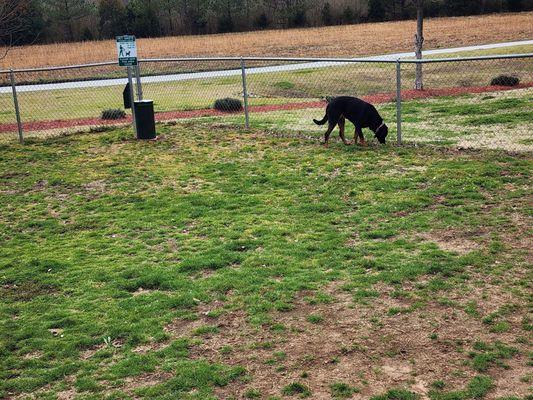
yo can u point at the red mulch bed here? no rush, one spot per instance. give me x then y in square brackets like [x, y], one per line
[172, 115]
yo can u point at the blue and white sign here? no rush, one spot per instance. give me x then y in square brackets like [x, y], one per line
[127, 51]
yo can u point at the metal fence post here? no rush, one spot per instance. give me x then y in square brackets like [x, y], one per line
[139, 83]
[16, 103]
[132, 99]
[399, 101]
[245, 94]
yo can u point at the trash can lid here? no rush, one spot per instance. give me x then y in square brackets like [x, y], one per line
[144, 101]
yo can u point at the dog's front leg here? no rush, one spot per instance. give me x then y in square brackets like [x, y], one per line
[359, 135]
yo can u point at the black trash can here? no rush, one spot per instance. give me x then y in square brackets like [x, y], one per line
[145, 119]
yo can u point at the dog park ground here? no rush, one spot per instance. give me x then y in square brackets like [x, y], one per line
[222, 263]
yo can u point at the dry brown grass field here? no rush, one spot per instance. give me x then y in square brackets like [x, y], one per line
[352, 40]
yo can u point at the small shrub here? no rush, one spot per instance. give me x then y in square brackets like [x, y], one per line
[113, 113]
[505, 80]
[228, 105]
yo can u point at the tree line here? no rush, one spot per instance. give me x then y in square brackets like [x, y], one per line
[46, 21]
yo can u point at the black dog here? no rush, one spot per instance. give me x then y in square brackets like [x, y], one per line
[358, 112]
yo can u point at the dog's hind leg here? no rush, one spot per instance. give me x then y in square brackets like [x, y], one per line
[328, 133]
[333, 120]
[342, 126]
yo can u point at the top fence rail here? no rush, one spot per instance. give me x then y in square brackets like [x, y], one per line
[381, 59]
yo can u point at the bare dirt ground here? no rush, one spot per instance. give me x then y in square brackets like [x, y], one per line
[364, 346]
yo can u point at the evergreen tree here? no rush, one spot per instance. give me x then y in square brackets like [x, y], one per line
[376, 10]
[348, 16]
[514, 5]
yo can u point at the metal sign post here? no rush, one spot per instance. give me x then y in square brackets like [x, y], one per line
[139, 84]
[132, 99]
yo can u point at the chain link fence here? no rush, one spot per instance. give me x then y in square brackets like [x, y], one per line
[461, 103]
[481, 103]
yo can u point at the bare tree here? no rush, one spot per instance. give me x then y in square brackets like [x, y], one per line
[11, 22]
[419, 42]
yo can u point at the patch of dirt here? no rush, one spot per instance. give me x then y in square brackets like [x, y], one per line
[96, 186]
[520, 237]
[67, 394]
[363, 346]
[141, 291]
[145, 380]
[181, 328]
[453, 241]
[86, 354]
[33, 355]
[26, 291]
[508, 381]
[148, 347]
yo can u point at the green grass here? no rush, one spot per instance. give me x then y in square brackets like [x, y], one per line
[340, 390]
[296, 389]
[481, 120]
[106, 241]
[397, 394]
[485, 355]
[477, 388]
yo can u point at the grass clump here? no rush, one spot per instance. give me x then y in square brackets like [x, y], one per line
[296, 389]
[252, 394]
[315, 318]
[486, 355]
[397, 394]
[340, 390]
[477, 388]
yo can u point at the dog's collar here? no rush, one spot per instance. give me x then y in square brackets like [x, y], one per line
[379, 127]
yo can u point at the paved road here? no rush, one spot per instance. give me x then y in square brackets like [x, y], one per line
[237, 72]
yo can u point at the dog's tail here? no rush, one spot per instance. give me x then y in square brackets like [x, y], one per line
[323, 121]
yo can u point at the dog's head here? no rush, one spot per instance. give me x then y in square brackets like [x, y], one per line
[381, 133]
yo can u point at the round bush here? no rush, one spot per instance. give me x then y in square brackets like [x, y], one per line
[228, 105]
[113, 113]
[505, 80]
